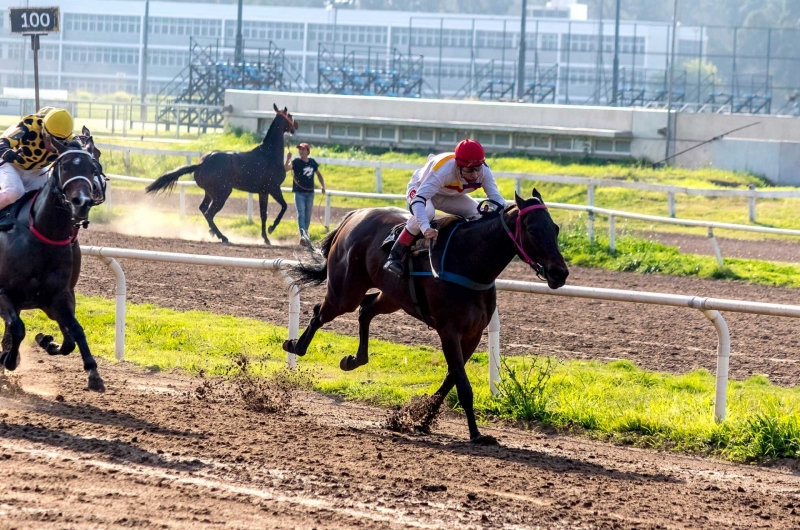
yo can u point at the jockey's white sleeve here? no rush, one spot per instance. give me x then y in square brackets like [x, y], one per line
[490, 187]
[418, 210]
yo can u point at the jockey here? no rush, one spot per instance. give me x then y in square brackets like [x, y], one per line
[442, 184]
[26, 149]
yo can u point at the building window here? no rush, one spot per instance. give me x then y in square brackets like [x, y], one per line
[563, 144]
[604, 146]
[541, 142]
[99, 54]
[196, 27]
[345, 131]
[622, 146]
[102, 23]
[549, 41]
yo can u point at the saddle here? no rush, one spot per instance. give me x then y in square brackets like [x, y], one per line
[9, 214]
[419, 245]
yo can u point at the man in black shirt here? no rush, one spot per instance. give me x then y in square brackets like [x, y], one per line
[303, 171]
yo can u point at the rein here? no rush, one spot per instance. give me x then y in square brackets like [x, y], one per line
[517, 232]
[41, 237]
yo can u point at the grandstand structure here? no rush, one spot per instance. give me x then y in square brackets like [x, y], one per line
[100, 49]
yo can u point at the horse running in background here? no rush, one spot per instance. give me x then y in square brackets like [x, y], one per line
[459, 309]
[40, 259]
[258, 171]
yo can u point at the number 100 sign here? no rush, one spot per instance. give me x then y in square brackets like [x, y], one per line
[33, 20]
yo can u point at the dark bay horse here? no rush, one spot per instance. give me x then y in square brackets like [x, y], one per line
[258, 171]
[479, 251]
[40, 258]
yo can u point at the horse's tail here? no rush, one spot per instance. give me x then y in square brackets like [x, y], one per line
[311, 274]
[167, 181]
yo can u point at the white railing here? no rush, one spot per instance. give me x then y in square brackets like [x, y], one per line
[591, 183]
[612, 215]
[710, 307]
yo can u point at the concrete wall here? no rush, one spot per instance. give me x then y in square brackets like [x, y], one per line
[778, 161]
[771, 146]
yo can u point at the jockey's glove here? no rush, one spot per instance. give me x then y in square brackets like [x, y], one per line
[9, 155]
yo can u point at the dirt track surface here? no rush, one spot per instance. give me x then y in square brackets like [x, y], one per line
[676, 340]
[144, 456]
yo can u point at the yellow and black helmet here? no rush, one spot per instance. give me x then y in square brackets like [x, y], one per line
[58, 123]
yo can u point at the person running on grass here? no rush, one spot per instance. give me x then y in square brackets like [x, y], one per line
[303, 170]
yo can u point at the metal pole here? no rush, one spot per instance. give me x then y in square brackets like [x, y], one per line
[441, 44]
[671, 203]
[615, 81]
[327, 212]
[612, 234]
[250, 208]
[119, 317]
[715, 247]
[521, 59]
[752, 201]
[143, 95]
[769, 45]
[294, 323]
[723, 362]
[35, 48]
[590, 197]
[237, 54]
[670, 66]
[599, 58]
[494, 352]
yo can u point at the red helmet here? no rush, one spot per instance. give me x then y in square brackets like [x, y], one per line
[469, 153]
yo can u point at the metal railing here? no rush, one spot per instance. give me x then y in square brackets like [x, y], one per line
[710, 307]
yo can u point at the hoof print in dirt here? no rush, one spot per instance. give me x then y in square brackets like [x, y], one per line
[485, 440]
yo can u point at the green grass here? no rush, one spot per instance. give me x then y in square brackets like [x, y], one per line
[616, 401]
[651, 257]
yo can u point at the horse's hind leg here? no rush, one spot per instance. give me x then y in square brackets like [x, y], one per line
[278, 196]
[373, 305]
[323, 313]
[263, 201]
[62, 310]
[204, 204]
[13, 335]
[216, 205]
[46, 342]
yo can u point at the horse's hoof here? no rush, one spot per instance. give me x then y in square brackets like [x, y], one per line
[289, 346]
[270, 230]
[225, 241]
[267, 242]
[484, 439]
[43, 340]
[9, 363]
[349, 363]
[96, 383]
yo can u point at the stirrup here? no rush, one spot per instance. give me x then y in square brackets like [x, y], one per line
[394, 266]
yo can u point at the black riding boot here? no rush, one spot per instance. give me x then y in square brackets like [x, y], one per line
[396, 257]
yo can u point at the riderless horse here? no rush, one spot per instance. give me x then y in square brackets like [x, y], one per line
[451, 289]
[258, 171]
[40, 258]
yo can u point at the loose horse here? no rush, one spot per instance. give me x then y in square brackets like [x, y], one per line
[476, 255]
[258, 171]
[40, 258]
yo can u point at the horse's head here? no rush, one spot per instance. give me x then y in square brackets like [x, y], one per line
[285, 120]
[537, 237]
[77, 177]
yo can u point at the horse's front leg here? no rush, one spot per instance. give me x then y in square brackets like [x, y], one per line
[13, 335]
[323, 313]
[62, 310]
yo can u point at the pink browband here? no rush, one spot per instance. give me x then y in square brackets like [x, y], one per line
[513, 236]
[41, 237]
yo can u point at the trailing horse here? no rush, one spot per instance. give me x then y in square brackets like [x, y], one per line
[258, 171]
[457, 303]
[40, 257]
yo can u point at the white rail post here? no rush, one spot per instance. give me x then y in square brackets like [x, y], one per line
[612, 234]
[108, 196]
[378, 180]
[250, 208]
[715, 246]
[124, 121]
[121, 293]
[518, 186]
[671, 201]
[753, 197]
[590, 196]
[127, 157]
[294, 323]
[183, 201]
[327, 212]
[494, 352]
[188, 160]
[723, 362]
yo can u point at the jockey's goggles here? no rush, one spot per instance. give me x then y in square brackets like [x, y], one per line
[471, 169]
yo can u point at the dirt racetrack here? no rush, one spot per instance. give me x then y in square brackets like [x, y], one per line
[144, 456]
[670, 339]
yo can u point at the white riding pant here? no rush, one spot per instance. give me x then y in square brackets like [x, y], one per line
[462, 205]
[15, 182]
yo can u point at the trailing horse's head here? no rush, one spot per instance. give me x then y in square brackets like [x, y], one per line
[77, 177]
[538, 240]
[287, 123]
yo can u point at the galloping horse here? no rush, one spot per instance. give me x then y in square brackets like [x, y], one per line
[459, 309]
[40, 259]
[258, 171]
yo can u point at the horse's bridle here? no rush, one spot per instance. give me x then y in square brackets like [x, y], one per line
[97, 184]
[538, 267]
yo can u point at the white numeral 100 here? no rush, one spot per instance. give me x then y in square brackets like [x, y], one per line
[36, 20]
